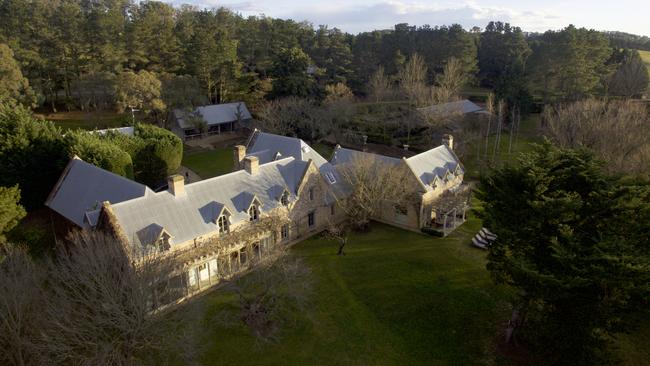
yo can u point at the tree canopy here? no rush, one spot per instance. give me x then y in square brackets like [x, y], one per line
[575, 243]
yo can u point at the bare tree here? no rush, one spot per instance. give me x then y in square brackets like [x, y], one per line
[412, 79]
[370, 182]
[21, 297]
[490, 108]
[98, 303]
[339, 232]
[449, 82]
[379, 85]
[337, 92]
[295, 116]
[277, 288]
[617, 131]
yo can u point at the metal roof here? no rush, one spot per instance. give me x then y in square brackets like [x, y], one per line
[433, 163]
[214, 114]
[267, 146]
[82, 188]
[461, 106]
[195, 212]
[129, 131]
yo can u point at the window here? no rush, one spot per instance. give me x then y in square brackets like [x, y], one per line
[401, 210]
[311, 194]
[254, 213]
[285, 198]
[284, 232]
[163, 243]
[330, 177]
[202, 267]
[311, 219]
[332, 209]
[242, 255]
[224, 225]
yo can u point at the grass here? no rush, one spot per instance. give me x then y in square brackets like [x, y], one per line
[208, 163]
[645, 56]
[87, 120]
[397, 297]
[528, 134]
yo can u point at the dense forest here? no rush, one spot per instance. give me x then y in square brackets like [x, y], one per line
[116, 54]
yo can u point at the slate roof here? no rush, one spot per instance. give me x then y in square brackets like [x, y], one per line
[268, 147]
[425, 166]
[462, 106]
[434, 163]
[194, 213]
[343, 156]
[214, 114]
[82, 188]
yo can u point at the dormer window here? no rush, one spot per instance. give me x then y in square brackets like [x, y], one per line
[223, 223]
[254, 212]
[284, 199]
[163, 243]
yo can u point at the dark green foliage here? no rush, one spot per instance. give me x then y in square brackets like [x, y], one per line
[32, 154]
[160, 154]
[11, 212]
[155, 152]
[576, 245]
[568, 64]
[291, 76]
[100, 152]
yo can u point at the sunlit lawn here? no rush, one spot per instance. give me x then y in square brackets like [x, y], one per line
[208, 163]
[397, 297]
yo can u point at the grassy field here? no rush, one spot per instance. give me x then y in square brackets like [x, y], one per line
[645, 56]
[208, 163]
[87, 120]
[396, 298]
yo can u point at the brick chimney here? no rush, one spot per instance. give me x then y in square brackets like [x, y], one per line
[251, 164]
[239, 152]
[448, 140]
[176, 185]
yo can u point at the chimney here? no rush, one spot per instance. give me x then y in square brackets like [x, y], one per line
[238, 155]
[176, 185]
[448, 140]
[251, 164]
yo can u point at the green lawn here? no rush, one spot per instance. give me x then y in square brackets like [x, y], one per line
[208, 163]
[396, 298]
[528, 134]
[87, 120]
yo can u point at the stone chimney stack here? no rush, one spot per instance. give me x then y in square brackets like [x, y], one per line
[238, 155]
[252, 164]
[176, 185]
[448, 140]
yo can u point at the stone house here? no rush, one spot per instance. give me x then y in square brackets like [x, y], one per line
[281, 191]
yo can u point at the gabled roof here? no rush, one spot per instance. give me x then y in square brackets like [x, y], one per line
[193, 214]
[431, 163]
[83, 187]
[461, 106]
[214, 114]
[343, 156]
[267, 146]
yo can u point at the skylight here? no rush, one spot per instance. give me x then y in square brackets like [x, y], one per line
[330, 177]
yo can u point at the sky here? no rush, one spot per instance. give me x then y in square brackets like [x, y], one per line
[632, 16]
